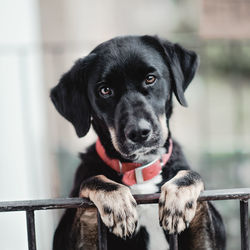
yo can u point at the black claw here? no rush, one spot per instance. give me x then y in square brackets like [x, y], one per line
[176, 225]
[161, 203]
[123, 231]
[166, 223]
[186, 223]
[132, 235]
[160, 222]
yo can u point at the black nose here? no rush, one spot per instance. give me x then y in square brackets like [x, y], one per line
[138, 132]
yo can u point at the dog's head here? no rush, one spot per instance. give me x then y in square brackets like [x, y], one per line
[126, 86]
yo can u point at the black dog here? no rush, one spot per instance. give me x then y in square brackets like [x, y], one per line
[124, 88]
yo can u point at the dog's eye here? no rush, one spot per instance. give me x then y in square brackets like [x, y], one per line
[150, 79]
[105, 91]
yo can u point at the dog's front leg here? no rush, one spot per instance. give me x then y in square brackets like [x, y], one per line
[178, 201]
[114, 202]
[84, 233]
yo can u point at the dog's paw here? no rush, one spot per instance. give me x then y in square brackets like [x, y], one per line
[117, 209]
[178, 201]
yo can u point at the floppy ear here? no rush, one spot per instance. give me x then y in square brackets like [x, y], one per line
[70, 96]
[183, 64]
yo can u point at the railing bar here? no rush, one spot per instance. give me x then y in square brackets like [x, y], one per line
[220, 194]
[173, 242]
[30, 219]
[243, 194]
[102, 233]
[244, 225]
[226, 194]
[8, 206]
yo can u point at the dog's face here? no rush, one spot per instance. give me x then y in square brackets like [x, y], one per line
[128, 92]
[126, 85]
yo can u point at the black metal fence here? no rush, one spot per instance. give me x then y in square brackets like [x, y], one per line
[242, 194]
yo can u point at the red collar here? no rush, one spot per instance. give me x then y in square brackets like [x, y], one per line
[135, 173]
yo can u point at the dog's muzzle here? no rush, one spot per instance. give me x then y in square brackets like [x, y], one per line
[137, 129]
[138, 132]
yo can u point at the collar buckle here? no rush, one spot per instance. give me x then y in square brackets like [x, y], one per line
[138, 176]
[138, 172]
[120, 166]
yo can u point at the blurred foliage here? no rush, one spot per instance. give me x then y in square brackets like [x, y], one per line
[226, 58]
[220, 57]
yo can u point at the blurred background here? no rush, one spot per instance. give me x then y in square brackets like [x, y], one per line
[40, 40]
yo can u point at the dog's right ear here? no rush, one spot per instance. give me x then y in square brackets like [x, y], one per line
[182, 63]
[70, 96]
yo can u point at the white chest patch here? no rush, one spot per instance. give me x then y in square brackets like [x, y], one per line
[148, 215]
[147, 187]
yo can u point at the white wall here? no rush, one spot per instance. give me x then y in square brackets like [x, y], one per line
[23, 143]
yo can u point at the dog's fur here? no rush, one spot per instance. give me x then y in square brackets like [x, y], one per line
[124, 88]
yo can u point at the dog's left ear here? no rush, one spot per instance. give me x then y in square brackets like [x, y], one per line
[183, 64]
[70, 96]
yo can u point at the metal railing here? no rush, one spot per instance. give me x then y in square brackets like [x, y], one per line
[242, 194]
